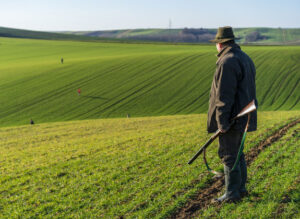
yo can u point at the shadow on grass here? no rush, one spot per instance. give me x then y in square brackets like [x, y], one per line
[95, 97]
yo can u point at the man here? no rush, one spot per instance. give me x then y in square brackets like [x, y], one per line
[233, 87]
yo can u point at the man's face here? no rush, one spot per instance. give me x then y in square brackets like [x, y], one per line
[219, 46]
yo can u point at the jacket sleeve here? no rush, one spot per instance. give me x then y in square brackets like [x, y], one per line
[226, 85]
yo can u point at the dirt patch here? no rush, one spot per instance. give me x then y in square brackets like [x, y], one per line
[203, 199]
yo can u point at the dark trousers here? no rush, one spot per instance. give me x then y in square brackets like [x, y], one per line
[229, 144]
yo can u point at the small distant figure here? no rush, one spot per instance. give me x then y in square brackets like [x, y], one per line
[78, 91]
[31, 122]
[128, 115]
[62, 60]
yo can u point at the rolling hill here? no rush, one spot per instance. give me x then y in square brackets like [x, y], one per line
[136, 168]
[30, 34]
[259, 36]
[275, 36]
[119, 79]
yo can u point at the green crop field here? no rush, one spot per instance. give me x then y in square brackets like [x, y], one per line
[116, 167]
[106, 166]
[117, 79]
[273, 181]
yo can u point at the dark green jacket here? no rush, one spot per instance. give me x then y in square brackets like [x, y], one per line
[233, 87]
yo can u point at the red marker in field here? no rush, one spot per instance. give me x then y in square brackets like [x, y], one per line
[78, 91]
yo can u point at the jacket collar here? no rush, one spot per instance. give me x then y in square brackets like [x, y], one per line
[225, 50]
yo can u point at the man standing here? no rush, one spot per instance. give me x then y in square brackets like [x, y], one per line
[233, 87]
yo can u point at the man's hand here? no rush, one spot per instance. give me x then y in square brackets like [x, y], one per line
[223, 131]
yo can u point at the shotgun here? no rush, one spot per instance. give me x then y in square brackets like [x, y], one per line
[248, 109]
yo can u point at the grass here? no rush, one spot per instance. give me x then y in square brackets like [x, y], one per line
[114, 167]
[273, 184]
[117, 79]
[42, 35]
[19, 33]
[127, 167]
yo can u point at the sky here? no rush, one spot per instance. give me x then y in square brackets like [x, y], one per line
[75, 15]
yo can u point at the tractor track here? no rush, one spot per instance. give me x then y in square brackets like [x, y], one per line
[203, 199]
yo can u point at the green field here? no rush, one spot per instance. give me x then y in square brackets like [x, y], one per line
[273, 181]
[29, 34]
[117, 79]
[275, 36]
[133, 167]
[121, 167]
[269, 36]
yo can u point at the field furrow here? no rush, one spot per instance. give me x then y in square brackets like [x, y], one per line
[118, 79]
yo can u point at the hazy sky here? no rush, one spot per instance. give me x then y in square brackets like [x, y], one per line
[128, 14]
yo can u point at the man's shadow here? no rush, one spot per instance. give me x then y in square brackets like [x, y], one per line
[95, 97]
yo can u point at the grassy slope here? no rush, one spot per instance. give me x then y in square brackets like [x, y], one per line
[275, 35]
[108, 168]
[119, 79]
[19, 33]
[273, 182]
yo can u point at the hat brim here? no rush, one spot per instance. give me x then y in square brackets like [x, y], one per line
[223, 40]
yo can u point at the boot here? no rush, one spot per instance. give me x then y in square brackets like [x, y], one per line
[232, 185]
[243, 166]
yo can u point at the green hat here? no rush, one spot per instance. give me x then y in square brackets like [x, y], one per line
[223, 35]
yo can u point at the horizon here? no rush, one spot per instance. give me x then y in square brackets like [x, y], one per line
[93, 15]
[179, 28]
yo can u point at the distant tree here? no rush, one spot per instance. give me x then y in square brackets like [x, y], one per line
[254, 36]
[194, 31]
[197, 34]
[188, 35]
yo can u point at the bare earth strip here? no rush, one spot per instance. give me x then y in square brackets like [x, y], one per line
[203, 199]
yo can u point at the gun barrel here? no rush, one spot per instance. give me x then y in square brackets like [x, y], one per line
[212, 138]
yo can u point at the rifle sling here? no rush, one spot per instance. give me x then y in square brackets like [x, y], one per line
[238, 156]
